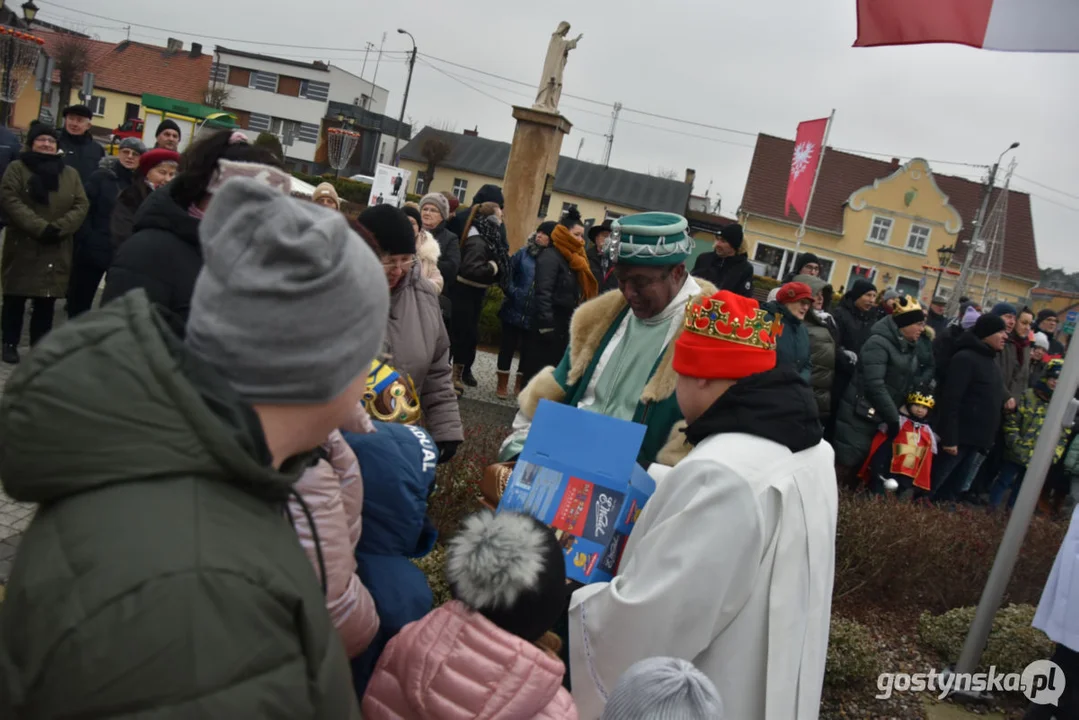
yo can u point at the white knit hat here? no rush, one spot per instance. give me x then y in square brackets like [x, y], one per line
[1040, 340]
[663, 688]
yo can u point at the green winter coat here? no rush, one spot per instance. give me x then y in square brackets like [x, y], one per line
[792, 348]
[822, 350]
[1071, 462]
[29, 267]
[927, 365]
[887, 367]
[160, 577]
[1022, 428]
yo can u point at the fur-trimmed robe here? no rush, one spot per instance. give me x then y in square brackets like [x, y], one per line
[592, 327]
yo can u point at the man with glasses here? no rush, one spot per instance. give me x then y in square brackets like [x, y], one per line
[621, 343]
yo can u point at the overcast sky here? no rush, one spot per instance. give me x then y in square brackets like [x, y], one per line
[752, 67]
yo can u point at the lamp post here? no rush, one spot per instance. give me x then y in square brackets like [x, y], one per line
[944, 255]
[404, 101]
[972, 244]
[29, 12]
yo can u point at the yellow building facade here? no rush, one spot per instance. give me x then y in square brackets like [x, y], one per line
[891, 232]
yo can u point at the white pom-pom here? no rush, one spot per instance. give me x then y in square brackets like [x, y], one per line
[494, 558]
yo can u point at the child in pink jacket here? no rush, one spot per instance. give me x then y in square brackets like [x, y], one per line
[332, 490]
[487, 653]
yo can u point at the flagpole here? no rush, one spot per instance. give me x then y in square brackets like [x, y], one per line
[812, 189]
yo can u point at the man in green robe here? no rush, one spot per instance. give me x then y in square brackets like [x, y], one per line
[618, 362]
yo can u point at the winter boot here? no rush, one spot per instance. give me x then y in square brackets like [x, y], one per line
[468, 378]
[458, 386]
[11, 355]
[519, 384]
[503, 389]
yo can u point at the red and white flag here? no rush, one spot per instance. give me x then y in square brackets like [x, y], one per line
[1024, 25]
[808, 147]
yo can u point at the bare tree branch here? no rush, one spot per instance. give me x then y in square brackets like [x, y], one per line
[72, 57]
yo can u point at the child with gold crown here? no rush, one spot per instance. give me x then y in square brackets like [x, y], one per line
[905, 461]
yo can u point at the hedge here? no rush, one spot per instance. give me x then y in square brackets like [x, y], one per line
[351, 191]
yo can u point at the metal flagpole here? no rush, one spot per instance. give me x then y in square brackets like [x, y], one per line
[813, 187]
[1058, 416]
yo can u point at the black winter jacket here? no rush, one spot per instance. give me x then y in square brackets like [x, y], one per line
[478, 268]
[163, 256]
[122, 223]
[734, 274]
[93, 243]
[449, 261]
[557, 291]
[595, 262]
[487, 193]
[972, 396]
[943, 350]
[853, 325]
[82, 153]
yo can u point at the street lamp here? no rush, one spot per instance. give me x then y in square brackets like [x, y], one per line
[29, 11]
[404, 101]
[944, 255]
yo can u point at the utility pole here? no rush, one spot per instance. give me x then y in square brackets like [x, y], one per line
[610, 135]
[378, 61]
[579, 146]
[952, 308]
[404, 101]
[367, 48]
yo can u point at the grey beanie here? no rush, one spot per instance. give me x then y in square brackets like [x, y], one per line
[439, 201]
[133, 143]
[663, 688]
[291, 305]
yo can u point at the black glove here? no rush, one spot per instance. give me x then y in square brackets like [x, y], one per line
[446, 450]
[50, 235]
[893, 430]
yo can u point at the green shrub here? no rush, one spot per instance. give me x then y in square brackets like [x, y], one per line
[271, 143]
[922, 557]
[1013, 643]
[490, 325]
[350, 190]
[852, 655]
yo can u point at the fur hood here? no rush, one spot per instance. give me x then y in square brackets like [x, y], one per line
[428, 250]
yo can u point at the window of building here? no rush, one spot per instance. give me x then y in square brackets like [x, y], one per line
[421, 185]
[265, 81]
[287, 85]
[97, 105]
[612, 216]
[779, 262]
[860, 272]
[566, 208]
[239, 76]
[880, 231]
[918, 239]
[460, 187]
[243, 117]
[314, 90]
[908, 286]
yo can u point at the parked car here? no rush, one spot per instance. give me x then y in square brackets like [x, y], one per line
[132, 127]
[366, 179]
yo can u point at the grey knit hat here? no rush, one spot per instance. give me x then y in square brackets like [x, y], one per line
[133, 143]
[439, 201]
[663, 688]
[291, 305]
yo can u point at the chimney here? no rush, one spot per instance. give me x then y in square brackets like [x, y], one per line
[473, 133]
[175, 45]
[196, 49]
[895, 162]
[691, 175]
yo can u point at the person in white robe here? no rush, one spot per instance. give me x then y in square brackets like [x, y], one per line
[731, 563]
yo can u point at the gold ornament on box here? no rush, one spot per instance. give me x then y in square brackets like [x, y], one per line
[709, 318]
[390, 396]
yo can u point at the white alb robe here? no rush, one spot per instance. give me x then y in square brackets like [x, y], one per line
[729, 566]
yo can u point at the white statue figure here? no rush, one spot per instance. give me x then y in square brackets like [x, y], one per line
[550, 90]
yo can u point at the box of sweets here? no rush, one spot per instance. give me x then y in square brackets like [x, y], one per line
[578, 473]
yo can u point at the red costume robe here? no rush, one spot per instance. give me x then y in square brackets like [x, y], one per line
[912, 452]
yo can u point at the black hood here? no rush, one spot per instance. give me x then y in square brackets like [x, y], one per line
[777, 405]
[489, 193]
[969, 341]
[161, 212]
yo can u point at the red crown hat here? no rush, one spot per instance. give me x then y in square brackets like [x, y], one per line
[793, 292]
[726, 336]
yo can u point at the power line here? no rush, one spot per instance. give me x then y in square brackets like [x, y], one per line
[1054, 202]
[1047, 187]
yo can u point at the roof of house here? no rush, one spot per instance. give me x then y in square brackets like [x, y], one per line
[135, 68]
[613, 186]
[707, 221]
[315, 65]
[842, 173]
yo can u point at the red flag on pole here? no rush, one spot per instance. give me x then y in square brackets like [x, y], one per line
[808, 145]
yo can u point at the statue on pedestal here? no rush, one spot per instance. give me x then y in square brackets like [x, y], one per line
[550, 89]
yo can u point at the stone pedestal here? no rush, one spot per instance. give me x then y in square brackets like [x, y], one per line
[537, 142]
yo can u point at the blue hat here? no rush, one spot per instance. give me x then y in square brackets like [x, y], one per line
[1003, 308]
[651, 238]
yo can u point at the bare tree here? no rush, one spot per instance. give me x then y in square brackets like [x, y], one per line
[446, 125]
[435, 150]
[71, 54]
[217, 95]
[665, 173]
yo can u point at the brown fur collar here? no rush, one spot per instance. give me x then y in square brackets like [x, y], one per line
[676, 448]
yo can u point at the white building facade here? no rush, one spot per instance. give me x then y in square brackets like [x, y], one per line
[288, 98]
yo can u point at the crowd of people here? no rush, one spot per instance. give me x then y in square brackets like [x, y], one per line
[251, 421]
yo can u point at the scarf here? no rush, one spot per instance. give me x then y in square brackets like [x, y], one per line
[572, 249]
[1021, 344]
[497, 250]
[45, 173]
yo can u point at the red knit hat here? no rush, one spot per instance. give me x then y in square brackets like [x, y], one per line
[726, 336]
[793, 292]
[151, 159]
